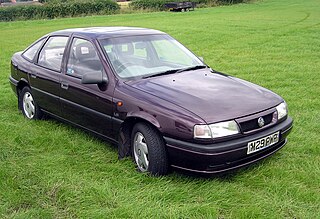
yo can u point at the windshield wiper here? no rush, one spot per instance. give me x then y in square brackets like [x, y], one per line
[191, 68]
[172, 71]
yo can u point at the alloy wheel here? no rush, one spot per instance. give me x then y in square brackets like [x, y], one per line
[140, 148]
[28, 105]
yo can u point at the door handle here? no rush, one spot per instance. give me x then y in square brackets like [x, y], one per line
[33, 75]
[64, 85]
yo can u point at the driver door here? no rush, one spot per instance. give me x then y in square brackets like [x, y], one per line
[87, 105]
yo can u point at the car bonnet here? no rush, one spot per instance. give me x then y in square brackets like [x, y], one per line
[213, 97]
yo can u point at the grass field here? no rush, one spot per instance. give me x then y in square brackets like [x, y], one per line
[52, 170]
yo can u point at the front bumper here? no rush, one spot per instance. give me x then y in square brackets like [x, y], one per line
[223, 156]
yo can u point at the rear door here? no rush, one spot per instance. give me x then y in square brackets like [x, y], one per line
[45, 74]
[87, 105]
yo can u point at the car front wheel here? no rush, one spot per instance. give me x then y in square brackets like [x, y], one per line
[29, 107]
[148, 150]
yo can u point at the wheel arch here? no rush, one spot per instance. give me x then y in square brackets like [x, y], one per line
[20, 85]
[124, 142]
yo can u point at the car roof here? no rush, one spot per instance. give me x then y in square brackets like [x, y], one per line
[107, 32]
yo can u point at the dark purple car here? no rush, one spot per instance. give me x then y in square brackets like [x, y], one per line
[143, 90]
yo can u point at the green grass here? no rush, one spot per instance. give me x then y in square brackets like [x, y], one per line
[52, 170]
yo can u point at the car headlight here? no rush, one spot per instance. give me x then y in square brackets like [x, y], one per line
[202, 131]
[282, 110]
[216, 130]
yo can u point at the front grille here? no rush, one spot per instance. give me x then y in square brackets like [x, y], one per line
[250, 123]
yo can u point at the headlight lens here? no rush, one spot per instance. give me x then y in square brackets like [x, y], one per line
[216, 130]
[202, 131]
[282, 110]
[224, 129]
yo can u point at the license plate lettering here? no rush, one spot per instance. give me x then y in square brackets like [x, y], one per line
[262, 143]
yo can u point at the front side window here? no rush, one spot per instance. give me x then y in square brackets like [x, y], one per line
[51, 54]
[83, 58]
[32, 50]
[143, 56]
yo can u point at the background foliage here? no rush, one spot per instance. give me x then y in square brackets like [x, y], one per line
[159, 4]
[72, 8]
[56, 9]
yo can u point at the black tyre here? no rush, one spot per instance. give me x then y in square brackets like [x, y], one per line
[148, 150]
[29, 107]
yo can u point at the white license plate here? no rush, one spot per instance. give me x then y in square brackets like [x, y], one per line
[263, 143]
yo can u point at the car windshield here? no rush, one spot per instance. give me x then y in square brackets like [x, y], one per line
[148, 56]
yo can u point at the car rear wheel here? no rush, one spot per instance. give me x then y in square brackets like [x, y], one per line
[148, 150]
[29, 107]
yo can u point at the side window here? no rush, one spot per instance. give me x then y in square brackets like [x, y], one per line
[83, 58]
[31, 51]
[52, 53]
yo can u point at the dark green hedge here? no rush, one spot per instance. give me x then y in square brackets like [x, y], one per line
[58, 9]
[149, 4]
[159, 4]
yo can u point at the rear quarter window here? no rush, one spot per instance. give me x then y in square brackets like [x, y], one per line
[32, 50]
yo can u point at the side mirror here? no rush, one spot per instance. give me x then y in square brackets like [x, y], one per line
[201, 58]
[95, 77]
